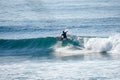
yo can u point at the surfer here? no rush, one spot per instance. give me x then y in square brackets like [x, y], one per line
[64, 35]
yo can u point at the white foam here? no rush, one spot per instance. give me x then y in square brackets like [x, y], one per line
[110, 44]
[61, 51]
[68, 50]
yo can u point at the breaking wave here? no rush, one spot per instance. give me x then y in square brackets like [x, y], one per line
[51, 46]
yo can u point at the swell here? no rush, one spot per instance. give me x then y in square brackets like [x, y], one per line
[27, 43]
[33, 46]
[46, 42]
[21, 47]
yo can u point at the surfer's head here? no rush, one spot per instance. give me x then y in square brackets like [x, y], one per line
[65, 30]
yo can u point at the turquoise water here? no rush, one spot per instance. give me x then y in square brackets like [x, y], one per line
[29, 49]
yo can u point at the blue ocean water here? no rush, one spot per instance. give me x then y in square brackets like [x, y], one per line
[29, 49]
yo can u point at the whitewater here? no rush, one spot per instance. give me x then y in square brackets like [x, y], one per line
[30, 50]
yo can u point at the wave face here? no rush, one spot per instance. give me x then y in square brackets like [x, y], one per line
[27, 43]
[32, 46]
[50, 45]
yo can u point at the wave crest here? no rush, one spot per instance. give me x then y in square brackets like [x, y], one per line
[110, 44]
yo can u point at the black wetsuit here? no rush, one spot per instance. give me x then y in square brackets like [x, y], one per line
[64, 36]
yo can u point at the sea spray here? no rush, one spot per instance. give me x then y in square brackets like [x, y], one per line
[115, 40]
[110, 44]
